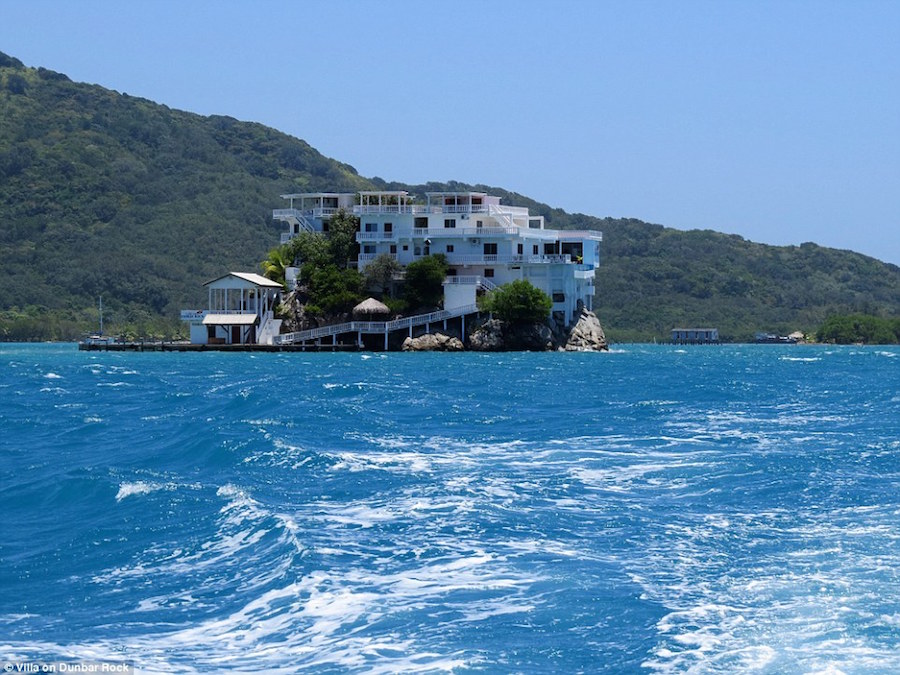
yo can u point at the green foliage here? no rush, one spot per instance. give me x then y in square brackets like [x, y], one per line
[342, 229]
[847, 329]
[275, 264]
[332, 290]
[423, 287]
[104, 193]
[396, 305]
[310, 247]
[519, 302]
[380, 272]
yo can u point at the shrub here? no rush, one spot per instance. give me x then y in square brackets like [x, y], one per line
[519, 302]
[425, 281]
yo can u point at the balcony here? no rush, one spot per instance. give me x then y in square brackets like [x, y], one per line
[457, 232]
[506, 259]
[374, 236]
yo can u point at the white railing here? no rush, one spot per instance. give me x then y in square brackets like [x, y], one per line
[505, 259]
[492, 209]
[371, 209]
[505, 214]
[373, 326]
[295, 215]
[470, 280]
[461, 208]
[465, 231]
[373, 236]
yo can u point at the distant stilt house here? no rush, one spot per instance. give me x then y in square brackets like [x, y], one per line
[240, 311]
[695, 336]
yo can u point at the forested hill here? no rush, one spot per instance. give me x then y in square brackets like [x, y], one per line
[105, 193]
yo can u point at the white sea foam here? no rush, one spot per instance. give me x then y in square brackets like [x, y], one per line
[140, 488]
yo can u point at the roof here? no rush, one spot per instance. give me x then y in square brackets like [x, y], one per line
[371, 306]
[313, 195]
[255, 279]
[229, 319]
[395, 193]
[457, 193]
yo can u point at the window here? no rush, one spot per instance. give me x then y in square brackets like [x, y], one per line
[405, 247]
[449, 248]
[520, 249]
[489, 272]
[535, 249]
[559, 297]
[420, 223]
[394, 249]
[368, 249]
[449, 223]
[371, 227]
[490, 249]
[479, 223]
[388, 227]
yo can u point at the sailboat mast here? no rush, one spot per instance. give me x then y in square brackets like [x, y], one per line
[101, 316]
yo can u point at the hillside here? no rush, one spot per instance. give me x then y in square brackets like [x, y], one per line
[105, 193]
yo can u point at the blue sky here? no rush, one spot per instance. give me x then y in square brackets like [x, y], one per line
[778, 121]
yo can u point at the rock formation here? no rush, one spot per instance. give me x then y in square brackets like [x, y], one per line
[432, 342]
[499, 336]
[587, 334]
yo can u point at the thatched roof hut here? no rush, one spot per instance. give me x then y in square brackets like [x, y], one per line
[371, 306]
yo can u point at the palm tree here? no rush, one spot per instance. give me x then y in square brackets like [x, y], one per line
[279, 259]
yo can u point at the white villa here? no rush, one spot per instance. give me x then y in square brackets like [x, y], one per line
[240, 311]
[485, 243]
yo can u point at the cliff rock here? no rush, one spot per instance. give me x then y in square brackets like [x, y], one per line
[498, 336]
[432, 342]
[587, 334]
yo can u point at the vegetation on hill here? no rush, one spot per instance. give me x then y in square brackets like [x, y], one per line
[848, 329]
[105, 193]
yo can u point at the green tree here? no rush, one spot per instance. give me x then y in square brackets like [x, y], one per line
[331, 289]
[424, 286]
[858, 328]
[380, 272]
[342, 229]
[519, 302]
[310, 248]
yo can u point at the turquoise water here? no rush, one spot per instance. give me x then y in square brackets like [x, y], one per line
[653, 509]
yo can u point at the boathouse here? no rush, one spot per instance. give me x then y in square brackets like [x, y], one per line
[695, 336]
[240, 311]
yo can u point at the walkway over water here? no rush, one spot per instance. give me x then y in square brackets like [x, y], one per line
[377, 327]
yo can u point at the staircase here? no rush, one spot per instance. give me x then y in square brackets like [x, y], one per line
[294, 217]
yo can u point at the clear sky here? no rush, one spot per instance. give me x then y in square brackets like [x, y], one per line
[775, 120]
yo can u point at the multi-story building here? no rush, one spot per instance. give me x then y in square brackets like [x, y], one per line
[486, 244]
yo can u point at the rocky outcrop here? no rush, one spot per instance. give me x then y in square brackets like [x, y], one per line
[587, 334]
[488, 337]
[498, 336]
[432, 342]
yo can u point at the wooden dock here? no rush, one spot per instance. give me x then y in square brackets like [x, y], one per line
[141, 346]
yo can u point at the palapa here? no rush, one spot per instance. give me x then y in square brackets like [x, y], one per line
[371, 306]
